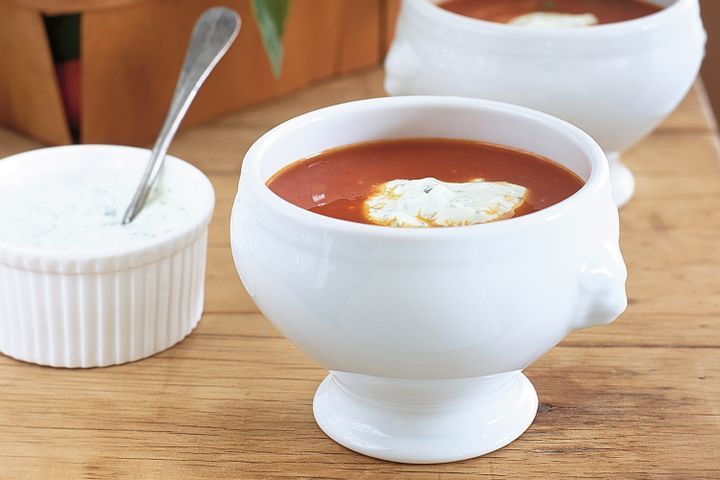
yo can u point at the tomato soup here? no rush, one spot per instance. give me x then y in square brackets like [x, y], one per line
[504, 11]
[340, 182]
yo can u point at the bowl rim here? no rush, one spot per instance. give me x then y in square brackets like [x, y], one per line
[605, 30]
[140, 249]
[251, 175]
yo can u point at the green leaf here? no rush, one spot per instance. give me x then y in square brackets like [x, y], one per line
[270, 16]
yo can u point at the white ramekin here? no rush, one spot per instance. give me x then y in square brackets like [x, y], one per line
[97, 309]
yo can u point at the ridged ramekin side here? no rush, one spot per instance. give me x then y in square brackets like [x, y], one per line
[101, 319]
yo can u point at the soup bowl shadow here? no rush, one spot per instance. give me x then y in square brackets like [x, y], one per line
[616, 81]
[426, 331]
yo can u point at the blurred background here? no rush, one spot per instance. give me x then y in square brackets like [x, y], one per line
[103, 71]
[711, 67]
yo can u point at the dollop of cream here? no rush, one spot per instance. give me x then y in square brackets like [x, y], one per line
[554, 20]
[429, 202]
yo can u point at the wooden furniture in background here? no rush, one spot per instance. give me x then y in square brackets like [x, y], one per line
[29, 95]
[636, 399]
[711, 66]
[132, 50]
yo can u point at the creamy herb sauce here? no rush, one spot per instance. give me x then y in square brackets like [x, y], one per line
[81, 210]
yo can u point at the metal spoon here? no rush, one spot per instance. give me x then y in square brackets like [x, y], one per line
[213, 34]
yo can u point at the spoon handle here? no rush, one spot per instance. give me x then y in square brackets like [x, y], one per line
[213, 34]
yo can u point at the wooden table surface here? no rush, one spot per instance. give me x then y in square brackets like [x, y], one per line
[637, 399]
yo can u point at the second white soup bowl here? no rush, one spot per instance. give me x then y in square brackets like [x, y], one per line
[426, 331]
[616, 81]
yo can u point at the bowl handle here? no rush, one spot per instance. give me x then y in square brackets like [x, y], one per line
[602, 288]
[402, 65]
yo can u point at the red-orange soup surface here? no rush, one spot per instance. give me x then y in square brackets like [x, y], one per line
[502, 11]
[336, 182]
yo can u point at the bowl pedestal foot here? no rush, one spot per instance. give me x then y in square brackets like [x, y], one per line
[424, 421]
[621, 179]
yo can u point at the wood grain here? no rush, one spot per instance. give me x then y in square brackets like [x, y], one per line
[29, 93]
[61, 7]
[234, 401]
[359, 42]
[391, 10]
[711, 66]
[131, 59]
[636, 399]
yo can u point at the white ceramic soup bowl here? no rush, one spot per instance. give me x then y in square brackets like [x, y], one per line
[426, 331]
[103, 306]
[615, 81]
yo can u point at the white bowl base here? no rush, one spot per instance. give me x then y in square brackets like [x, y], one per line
[621, 179]
[424, 421]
